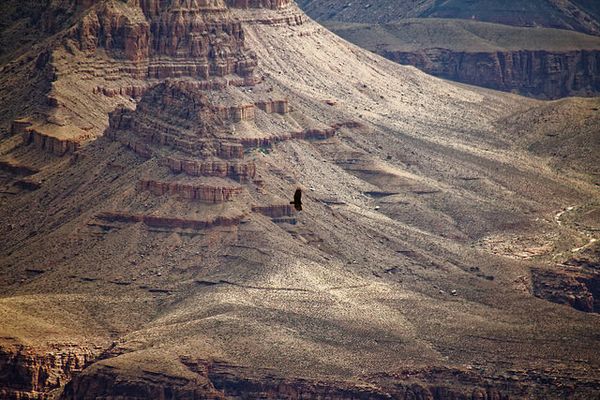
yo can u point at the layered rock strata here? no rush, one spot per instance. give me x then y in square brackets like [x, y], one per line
[52, 144]
[124, 48]
[242, 171]
[158, 221]
[536, 73]
[275, 211]
[217, 380]
[292, 311]
[198, 41]
[28, 374]
[190, 191]
[577, 288]
[179, 122]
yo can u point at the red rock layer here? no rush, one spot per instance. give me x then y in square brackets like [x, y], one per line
[190, 191]
[242, 112]
[274, 106]
[138, 91]
[537, 73]
[179, 116]
[27, 374]
[221, 381]
[275, 211]
[105, 382]
[51, 144]
[131, 91]
[19, 126]
[307, 134]
[169, 38]
[272, 4]
[243, 171]
[156, 221]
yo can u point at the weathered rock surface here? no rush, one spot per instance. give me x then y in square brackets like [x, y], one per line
[275, 211]
[375, 291]
[191, 191]
[217, 380]
[202, 42]
[28, 374]
[158, 221]
[577, 289]
[581, 16]
[238, 170]
[540, 62]
[51, 144]
[538, 73]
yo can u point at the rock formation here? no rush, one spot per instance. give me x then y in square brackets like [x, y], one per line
[580, 16]
[28, 374]
[540, 73]
[155, 221]
[150, 250]
[543, 63]
[191, 191]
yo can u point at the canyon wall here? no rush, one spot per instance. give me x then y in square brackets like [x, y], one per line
[536, 73]
[215, 380]
[190, 191]
[29, 374]
[168, 39]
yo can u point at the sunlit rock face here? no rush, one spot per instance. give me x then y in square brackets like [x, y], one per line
[171, 39]
[149, 155]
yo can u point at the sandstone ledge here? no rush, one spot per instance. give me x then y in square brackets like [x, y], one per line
[155, 221]
[191, 191]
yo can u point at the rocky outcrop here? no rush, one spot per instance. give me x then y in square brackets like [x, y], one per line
[182, 118]
[110, 27]
[307, 134]
[178, 117]
[243, 171]
[52, 144]
[168, 40]
[156, 221]
[576, 288]
[536, 73]
[29, 374]
[271, 4]
[189, 191]
[106, 383]
[19, 126]
[135, 91]
[274, 106]
[214, 380]
[275, 211]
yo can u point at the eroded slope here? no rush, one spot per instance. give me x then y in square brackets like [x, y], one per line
[164, 255]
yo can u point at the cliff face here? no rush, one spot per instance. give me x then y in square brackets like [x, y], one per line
[575, 15]
[123, 48]
[538, 73]
[217, 381]
[28, 374]
[154, 214]
[199, 40]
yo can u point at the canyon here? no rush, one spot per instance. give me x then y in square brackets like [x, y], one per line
[572, 15]
[447, 247]
[532, 73]
[544, 49]
[537, 62]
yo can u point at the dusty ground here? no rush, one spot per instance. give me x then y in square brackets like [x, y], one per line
[413, 252]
